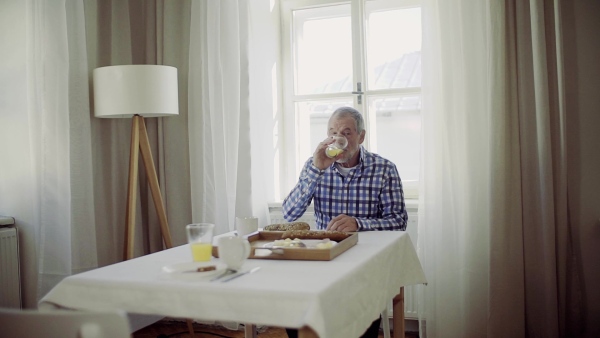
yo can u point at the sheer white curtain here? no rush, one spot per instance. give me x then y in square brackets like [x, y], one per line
[46, 171]
[494, 235]
[219, 119]
[63, 174]
[454, 220]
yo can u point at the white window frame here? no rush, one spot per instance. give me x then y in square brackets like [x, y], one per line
[290, 161]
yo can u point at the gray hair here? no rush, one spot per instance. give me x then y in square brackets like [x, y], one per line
[355, 114]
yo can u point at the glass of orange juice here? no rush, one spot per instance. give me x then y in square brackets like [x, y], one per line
[200, 236]
[337, 147]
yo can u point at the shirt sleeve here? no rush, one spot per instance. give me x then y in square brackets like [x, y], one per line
[296, 203]
[391, 202]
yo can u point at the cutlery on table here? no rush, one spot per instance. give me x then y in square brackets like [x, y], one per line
[253, 270]
[225, 273]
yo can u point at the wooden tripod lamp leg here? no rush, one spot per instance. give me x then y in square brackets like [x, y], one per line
[153, 182]
[132, 189]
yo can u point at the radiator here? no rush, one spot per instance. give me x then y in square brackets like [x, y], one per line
[10, 285]
[410, 292]
[276, 215]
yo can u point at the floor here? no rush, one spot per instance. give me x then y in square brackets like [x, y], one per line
[178, 328]
[171, 328]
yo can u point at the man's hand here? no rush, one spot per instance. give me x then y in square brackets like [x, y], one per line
[320, 158]
[343, 223]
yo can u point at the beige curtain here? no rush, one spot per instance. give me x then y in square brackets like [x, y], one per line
[139, 32]
[495, 237]
[530, 121]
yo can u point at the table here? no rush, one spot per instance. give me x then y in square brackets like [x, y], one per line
[337, 298]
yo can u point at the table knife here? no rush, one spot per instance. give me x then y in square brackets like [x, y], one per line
[240, 274]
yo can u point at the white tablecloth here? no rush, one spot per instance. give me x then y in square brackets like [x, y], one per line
[337, 298]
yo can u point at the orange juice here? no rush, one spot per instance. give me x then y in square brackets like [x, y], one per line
[333, 152]
[201, 252]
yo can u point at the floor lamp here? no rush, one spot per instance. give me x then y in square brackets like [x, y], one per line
[138, 91]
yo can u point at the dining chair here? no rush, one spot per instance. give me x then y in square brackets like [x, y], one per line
[16, 323]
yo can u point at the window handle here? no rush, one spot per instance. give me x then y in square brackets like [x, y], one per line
[359, 92]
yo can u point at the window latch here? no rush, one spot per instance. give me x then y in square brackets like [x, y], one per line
[359, 92]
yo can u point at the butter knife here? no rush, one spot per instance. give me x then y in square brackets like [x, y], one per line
[253, 270]
[225, 273]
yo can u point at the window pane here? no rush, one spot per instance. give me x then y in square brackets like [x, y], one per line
[323, 41]
[398, 125]
[312, 127]
[393, 47]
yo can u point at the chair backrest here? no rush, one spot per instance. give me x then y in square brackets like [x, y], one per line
[63, 324]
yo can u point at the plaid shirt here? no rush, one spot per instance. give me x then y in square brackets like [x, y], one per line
[371, 193]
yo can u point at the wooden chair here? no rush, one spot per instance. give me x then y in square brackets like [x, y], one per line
[16, 323]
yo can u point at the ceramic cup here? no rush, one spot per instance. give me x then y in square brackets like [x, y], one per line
[234, 251]
[200, 236]
[246, 225]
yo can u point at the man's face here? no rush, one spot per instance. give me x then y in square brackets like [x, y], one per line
[346, 126]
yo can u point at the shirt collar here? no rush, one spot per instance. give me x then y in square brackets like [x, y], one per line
[363, 160]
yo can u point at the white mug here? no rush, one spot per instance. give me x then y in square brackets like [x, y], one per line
[234, 251]
[246, 225]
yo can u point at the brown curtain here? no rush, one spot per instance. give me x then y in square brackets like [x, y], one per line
[139, 32]
[495, 237]
[532, 261]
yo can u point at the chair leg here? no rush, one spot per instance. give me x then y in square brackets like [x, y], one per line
[250, 331]
[190, 325]
[385, 319]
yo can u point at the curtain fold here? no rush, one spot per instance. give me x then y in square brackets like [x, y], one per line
[174, 159]
[66, 184]
[494, 69]
[140, 32]
[46, 181]
[506, 236]
[219, 113]
[61, 150]
[454, 201]
[49, 136]
[109, 42]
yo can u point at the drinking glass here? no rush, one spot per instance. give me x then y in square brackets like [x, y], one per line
[246, 225]
[200, 236]
[337, 147]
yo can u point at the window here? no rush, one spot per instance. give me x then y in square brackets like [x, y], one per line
[360, 53]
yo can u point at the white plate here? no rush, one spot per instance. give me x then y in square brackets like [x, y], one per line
[310, 244]
[188, 269]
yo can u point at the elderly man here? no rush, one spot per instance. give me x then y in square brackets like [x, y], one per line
[354, 191]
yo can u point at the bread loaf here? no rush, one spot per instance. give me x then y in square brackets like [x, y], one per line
[287, 226]
[337, 236]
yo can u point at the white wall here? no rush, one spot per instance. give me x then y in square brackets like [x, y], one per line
[581, 21]
[265, 105]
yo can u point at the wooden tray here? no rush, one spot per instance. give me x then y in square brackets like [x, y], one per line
[308, 254]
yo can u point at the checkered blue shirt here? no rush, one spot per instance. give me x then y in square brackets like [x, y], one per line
[371, 193]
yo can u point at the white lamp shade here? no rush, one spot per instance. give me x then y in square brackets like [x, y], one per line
[146, 90]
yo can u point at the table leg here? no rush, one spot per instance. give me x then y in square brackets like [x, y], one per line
[398, 315]
[250, 331]
[307, 332]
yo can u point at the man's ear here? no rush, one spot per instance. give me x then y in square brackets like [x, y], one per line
[361, 138]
